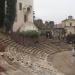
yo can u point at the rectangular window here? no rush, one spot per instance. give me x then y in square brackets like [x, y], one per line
[20, 6]
[70, 24]
[25, 18]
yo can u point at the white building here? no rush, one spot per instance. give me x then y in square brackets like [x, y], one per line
[69, 25]
[24, 16]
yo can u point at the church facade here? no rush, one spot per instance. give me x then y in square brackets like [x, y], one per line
[24, 16]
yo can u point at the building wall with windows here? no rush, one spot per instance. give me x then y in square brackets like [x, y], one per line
[69, 25]
[25, 8]
[24, 15]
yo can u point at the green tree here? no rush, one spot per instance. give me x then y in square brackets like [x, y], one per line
[11, 13]
[2, 12]
[7, 20]
[39, 24]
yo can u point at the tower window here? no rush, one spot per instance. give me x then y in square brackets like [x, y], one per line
[20, 6]
[70, 24]
[25, 18]
[28, 9]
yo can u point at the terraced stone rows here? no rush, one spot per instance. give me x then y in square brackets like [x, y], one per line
[18, 48]
[19, 52]
[43, 47]
[32, 52]
[49, 47]
[63, 46]
[52, 47]
[5, 41]
[60, 45]
[40, 52]
[56, 48]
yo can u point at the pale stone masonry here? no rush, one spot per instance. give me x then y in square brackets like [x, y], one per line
[24, 16]
[69, 25]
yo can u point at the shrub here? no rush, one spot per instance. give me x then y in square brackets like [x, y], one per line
[30, 33]
[70, 38]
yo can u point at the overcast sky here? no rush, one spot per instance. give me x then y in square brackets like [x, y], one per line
[55, 10]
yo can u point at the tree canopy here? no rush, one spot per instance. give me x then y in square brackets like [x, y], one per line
[2, 12]
[10, 13]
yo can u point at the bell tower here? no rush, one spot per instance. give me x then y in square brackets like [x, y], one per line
[24, 16]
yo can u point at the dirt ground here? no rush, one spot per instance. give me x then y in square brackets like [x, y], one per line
[6, 69]
[65, 62]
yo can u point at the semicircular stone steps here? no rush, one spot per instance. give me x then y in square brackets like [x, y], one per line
[44, 47]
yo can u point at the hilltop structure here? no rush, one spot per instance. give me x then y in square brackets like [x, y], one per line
[69, 25]
[24, 16]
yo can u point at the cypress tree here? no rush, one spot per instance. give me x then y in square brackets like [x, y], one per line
[11, 13]
[2, 12]
[7, 19]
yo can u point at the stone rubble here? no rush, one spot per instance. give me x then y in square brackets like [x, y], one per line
[31, 65]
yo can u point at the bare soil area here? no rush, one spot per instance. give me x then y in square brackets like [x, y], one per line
[64, 62]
